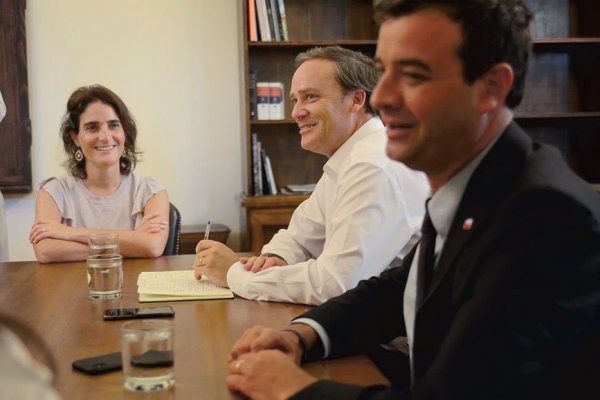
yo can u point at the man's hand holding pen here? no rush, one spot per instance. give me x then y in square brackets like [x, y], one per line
[213, 260]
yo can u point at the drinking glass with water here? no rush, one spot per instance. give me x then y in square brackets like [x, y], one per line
[105, 243]
[147, 351]
[105, 276]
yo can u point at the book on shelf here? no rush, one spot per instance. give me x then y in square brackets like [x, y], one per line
[283, 20]
[305, 188]
[177, 285]
[263, 20]
[252, 28]
[252, 90]
[268, 19]
[262, 101]
[269, 99]
[257, 178]
[269, 177]
[275, 17]
[276, 100]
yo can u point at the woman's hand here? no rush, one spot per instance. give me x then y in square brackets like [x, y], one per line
[44, 228]
[151, 223]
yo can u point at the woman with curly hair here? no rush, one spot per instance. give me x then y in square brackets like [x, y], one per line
[100, 193]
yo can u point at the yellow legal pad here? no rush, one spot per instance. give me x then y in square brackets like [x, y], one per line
[176, 286]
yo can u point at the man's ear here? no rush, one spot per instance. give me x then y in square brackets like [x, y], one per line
[75, 138]
[494, 86]
[359, 97]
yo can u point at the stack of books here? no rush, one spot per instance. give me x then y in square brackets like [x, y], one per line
[266, 99]
[267, 21]
[262, 173]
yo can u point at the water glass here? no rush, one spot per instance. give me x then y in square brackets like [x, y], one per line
[147, 351]
[104, 243]
[105, 276]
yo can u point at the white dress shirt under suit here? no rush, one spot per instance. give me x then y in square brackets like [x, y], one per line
[363, 211]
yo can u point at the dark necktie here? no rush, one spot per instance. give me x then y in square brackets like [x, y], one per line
[426, 259]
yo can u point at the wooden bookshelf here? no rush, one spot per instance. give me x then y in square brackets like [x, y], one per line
[561, 104]
[311, 23]
[562, 94]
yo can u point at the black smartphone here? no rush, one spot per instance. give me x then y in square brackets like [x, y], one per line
[112, 314]
[153, 358]
[99, 364]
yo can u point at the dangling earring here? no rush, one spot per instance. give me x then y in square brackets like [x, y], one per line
[78, 155]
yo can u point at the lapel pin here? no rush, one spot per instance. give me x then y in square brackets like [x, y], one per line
[468, 224]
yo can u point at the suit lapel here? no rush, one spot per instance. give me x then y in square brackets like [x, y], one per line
[490, 182]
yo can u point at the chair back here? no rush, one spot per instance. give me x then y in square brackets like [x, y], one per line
[172, 246]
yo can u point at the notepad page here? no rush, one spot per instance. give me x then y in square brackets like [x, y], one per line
[179, 283]
[152, 298]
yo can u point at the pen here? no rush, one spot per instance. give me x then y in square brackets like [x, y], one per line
[207, 231]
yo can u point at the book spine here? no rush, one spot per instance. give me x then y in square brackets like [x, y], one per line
[276, 100]
[252, 31]
[263, 20]
[256, 166]
[276, 20]
[283, 18]
[266, 186]
[270, 19]
[252, 93]
[270, 178]
[260, 188]
[262, 100]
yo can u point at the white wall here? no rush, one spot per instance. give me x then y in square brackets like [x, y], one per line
[177, 66]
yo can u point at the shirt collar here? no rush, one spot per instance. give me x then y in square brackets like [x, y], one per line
[335, 162]
[445, 201]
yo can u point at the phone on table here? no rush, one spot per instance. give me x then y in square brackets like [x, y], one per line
[153, 358]
[99, 364]
[113, 362]
[112, 314]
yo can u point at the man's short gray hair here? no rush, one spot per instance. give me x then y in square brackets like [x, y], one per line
[354, 70]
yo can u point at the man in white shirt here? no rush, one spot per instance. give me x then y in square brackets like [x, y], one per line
[364, 209]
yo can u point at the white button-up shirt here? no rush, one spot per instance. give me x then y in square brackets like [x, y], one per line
[363, 211]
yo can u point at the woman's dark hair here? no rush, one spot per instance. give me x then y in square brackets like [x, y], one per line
[494, 31]
[76, 105]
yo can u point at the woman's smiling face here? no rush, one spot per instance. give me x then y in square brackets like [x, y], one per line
[101, 136]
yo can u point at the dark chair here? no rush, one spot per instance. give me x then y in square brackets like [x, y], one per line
[172, 246]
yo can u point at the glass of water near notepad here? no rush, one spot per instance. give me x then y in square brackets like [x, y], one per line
[177, 285]
[104, 267]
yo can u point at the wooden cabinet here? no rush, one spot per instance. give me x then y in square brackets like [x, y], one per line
[268, 214]
[561, 104]
[190, 235]
[348, 23]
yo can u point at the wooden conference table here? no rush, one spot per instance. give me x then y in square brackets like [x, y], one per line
[53, 299]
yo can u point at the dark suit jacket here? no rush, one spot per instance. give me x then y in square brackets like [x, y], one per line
[514, 307]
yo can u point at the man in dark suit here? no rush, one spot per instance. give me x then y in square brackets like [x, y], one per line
[501, 298]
